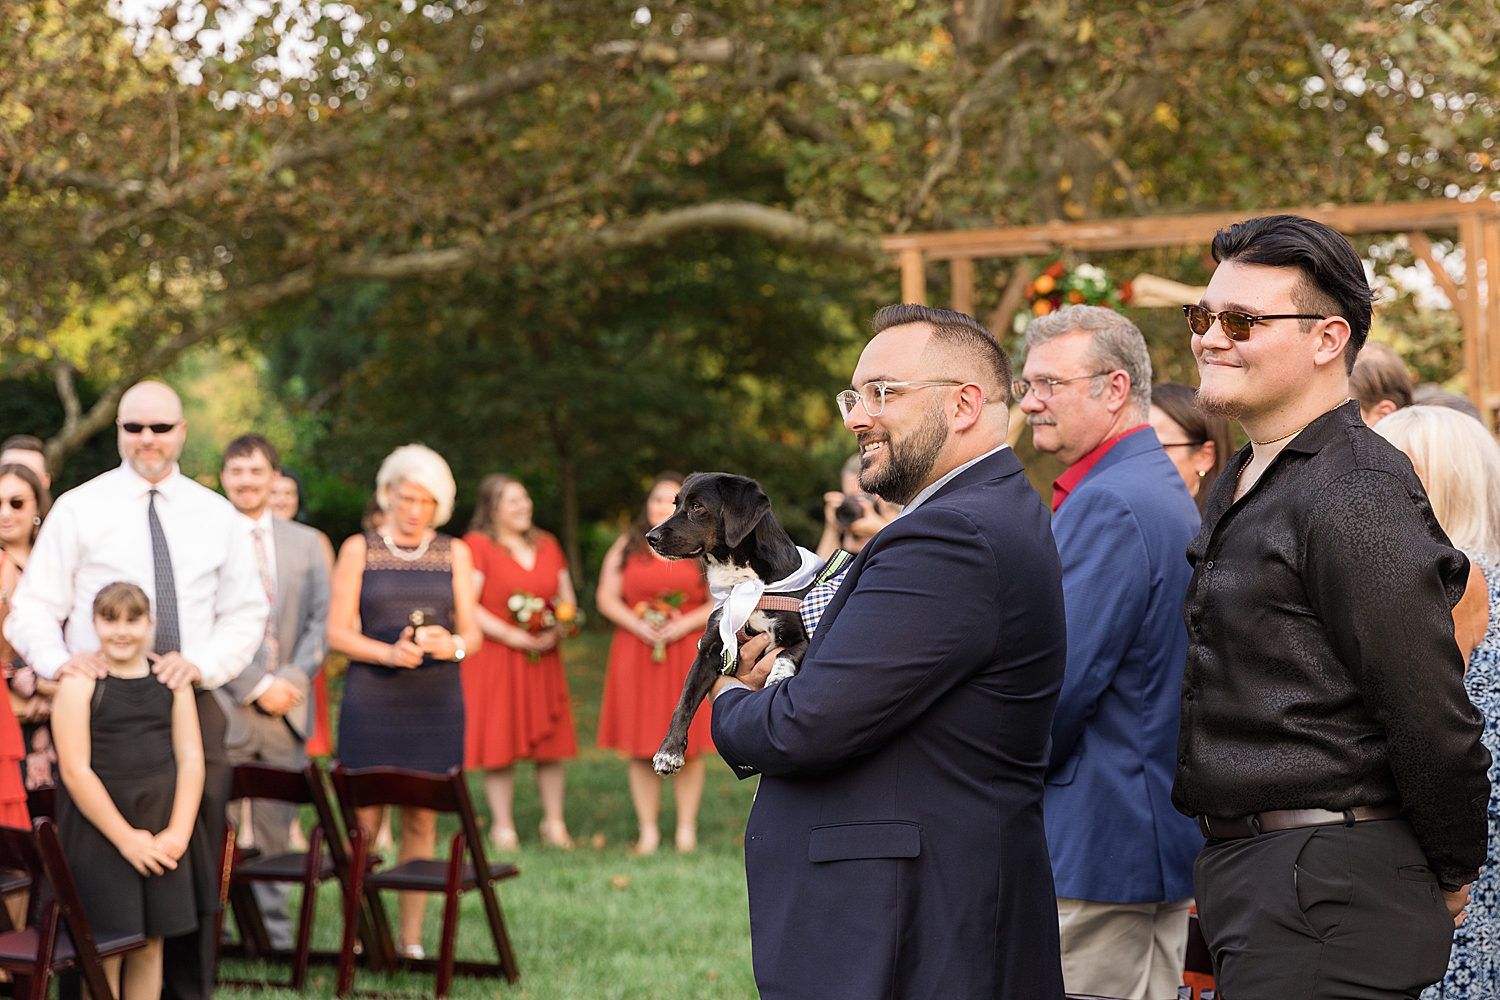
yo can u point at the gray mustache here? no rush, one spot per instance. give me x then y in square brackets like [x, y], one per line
[1041, 421]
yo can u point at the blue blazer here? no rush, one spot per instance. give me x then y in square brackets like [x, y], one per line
[1123, 534]
[896, 847]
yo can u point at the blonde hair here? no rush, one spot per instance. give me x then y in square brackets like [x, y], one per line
[1459, 462]
[421, 466]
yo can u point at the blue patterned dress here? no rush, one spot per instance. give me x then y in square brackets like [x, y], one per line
[1474, 966]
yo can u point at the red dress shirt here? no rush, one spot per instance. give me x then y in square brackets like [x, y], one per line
[1066, 482]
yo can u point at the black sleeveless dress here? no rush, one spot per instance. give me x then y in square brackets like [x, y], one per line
[399, 716]
[130, 734]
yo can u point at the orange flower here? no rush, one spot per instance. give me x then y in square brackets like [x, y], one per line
[1056, 269]
[1045, 284]
[565, 612]
[1075, 296]
[1042, 307]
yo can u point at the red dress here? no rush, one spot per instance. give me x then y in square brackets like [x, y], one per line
[515, 708]
[13, 811]
[639, 693]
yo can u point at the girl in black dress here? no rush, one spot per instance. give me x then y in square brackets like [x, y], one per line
[131, 759]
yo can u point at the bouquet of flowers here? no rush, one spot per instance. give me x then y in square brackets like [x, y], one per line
[658, 611]
[1057, 286]
[537, 614]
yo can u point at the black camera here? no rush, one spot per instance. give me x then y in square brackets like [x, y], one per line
[851, 509]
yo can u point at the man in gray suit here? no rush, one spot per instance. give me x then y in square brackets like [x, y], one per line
[269, 707]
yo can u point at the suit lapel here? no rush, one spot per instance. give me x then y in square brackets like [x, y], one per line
[287, 568]
[997, 466]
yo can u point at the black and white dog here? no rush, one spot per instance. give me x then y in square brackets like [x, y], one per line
[726, 520]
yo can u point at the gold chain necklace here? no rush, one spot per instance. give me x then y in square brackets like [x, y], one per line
[1241, 473]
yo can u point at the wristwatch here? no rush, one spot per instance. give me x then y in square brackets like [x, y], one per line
[460, 652]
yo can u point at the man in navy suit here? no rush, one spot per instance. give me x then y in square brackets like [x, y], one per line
[896, 846]
[1122, 855]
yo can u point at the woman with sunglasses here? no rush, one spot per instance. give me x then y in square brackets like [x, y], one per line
[1198, 443]
[24, 501]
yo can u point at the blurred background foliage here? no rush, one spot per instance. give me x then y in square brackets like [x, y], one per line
[582, 242]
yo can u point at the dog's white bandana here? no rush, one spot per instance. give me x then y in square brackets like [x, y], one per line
[739, 601]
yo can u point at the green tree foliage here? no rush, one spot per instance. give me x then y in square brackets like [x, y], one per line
[163, 185]
[586, 381]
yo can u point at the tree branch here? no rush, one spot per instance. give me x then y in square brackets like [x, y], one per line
[987, 87]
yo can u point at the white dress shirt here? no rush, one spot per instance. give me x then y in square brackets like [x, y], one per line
[927, 493]
[98, 534]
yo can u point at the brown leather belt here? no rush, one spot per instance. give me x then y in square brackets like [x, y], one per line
[1271, 821]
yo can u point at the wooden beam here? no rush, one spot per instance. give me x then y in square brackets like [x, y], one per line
[1179, 230]
[961, 272]
[913, 277]
[1492, 306]
[1421, 247]
[1471, 236]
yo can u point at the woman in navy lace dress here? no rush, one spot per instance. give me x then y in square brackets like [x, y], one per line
[402, 610]
[1459, 463]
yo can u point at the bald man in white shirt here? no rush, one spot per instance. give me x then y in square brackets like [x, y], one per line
[148, 524]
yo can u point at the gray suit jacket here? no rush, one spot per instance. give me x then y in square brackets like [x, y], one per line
[301, 616]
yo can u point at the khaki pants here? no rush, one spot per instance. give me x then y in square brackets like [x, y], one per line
[1133, 951]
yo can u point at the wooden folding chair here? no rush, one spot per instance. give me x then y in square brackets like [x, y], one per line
[382, 786]
[324, 859]
[57, 935]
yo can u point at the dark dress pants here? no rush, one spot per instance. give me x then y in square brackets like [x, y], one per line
[1336, 912]
[188, 961]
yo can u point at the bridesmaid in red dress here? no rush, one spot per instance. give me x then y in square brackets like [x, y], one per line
[648, 662]
[515, 691]
[23, 504]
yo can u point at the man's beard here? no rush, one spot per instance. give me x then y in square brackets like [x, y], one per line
[1216, 405]
[909, 461]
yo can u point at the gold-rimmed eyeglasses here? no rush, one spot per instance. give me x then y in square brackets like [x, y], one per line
[1042, 387]
[872, 394]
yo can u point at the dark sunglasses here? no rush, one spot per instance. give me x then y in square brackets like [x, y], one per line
[1236, 325]
[155, 428]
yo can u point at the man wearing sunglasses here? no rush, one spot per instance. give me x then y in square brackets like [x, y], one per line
[148, 524]
[1328, 749]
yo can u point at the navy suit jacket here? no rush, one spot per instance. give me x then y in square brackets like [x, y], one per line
[1123, 533]
[896, 846]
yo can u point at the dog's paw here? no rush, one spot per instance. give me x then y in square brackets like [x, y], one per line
[665, 763]
[781, 670]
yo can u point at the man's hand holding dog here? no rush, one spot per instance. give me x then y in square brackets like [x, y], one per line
[759, 652]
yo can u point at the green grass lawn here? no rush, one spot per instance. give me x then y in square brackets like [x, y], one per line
[591, 923]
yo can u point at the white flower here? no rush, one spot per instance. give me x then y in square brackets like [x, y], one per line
[1093, 272]
[516, 602]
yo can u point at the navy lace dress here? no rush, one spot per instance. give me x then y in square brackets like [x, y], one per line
[1474, 966]
[398, 716]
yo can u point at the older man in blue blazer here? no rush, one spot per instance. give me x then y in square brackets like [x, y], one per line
[1122, 855]
[896, 846]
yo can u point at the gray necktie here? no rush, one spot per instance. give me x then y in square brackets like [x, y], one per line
[168, 636]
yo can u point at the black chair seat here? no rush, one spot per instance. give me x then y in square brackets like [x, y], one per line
[19, 947]
[280, 868]
[431, 876]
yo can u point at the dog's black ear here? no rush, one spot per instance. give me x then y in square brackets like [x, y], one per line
[745, 504]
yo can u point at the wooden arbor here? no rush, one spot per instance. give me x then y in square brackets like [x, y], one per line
[1477, 223]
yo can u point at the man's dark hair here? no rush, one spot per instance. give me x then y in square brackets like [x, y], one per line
[248, 444]
[1333, 277]
[955, 329]
[23, 442]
